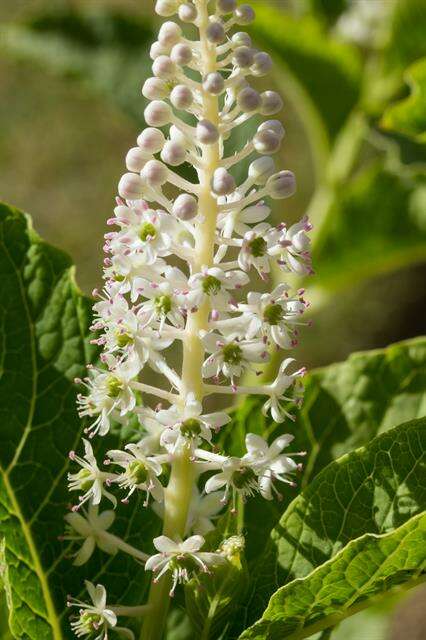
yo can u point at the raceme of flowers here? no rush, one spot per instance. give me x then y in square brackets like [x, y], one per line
[179, 261]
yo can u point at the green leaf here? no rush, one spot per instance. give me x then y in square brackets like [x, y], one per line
[328, 70]
[372, 490]
[45, 343]
[103, 49]
[366, 568]
[346, 405]
[409, 116]
[375, 223]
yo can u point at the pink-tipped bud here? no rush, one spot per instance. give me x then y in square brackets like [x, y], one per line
[166, 8]
[181, 97]
[262, 64]
[170, 34]
[155, 89]
[214, 83]
[215, 32]
[271, 103]
[155, 173]
[187, 13]
[244, 14]
[151, 140]
[136, 159]
[243, 57]
[223, 183]
[131, 186]
[207, 133]
[173, 153]
[164, 68]
[158, 114]
[181, 54]
[241, 39]
[266, 141]
[185, 207]
[249, 100]
[281, 185]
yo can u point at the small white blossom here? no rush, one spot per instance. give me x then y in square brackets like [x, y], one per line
[231, 356]
[182, 559]
[89, 528]
[236, 477]
[93, 618]
[291, 247]
[277, 400]
[140, 472]
[216, 284]
[90, 479]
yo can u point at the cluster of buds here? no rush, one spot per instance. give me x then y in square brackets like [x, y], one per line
[177, 270]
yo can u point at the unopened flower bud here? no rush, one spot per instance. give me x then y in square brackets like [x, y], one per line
[207, 133]
[170, 33]
[157, 49]
[136, 159]
[226, 6]
[281, 185]
[262, 64]
[178, 136]
[222, 182]
[151, 140]
[215, 32]
[187, 12]
[185, 207]
[266, 141]
[158, 113]
[164, 68]
[241, 39]
[243, 57]
[271, 103]
[214, 83]
[261, 170]
[131, 186]
[181, 54]
[166, 8]
[155, 173]
[244, 14]
[155, 89]
[248, 100]
[181, 97]
[273, 125]
[173, 153]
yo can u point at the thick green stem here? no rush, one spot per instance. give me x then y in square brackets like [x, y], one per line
[180, 488]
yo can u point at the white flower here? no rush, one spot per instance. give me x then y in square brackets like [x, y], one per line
[123, 270]
[238, 221]
[90, 527]
[140, 472]
[93, 618]
[188, 424]
[277, 399]
[216, 284]
[182, 559]
[109, 394]
[254, 250]
[231, 356]
[269, 463]
[291, 247]
[236, 477]
[274, 315]
[89, 479]
[167, 298]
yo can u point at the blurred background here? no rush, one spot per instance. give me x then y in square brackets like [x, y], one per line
[353, 77]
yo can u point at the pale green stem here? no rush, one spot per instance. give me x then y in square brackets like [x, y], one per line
[180, 488]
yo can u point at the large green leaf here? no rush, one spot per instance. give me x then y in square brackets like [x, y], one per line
[328, 70]
[345, 406]
[45, 343]
[372, 490]
[104, 49]
[366, 568]
[409, 116]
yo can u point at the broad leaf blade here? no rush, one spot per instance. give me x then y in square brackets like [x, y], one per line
[366, 569]
[372, 490]
[45, 344]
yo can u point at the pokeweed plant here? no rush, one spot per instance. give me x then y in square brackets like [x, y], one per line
[175, 271]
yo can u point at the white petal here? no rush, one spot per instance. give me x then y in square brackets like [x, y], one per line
[192, 544]
[85, 552]
[165, 544]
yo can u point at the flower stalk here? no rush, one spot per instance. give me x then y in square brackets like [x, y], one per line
[218, 234]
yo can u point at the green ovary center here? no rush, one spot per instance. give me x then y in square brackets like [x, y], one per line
[114, 386]
[124, 339]
[91, 621]
[243, 478]
[232, 354]
[85, 478]
[191, 428]
[138, 472]
[147, 232]
[272, 314]
[258, 247]
[211, 285]
[163, 304]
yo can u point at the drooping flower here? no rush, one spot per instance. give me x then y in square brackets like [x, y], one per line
[90, 479]
[89, 528]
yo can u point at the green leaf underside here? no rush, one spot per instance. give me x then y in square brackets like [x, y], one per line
[45, 343]
[364, 570]
[105, 50]
[372, 490]
[328, 70]
[409, 116]
[345, 406]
